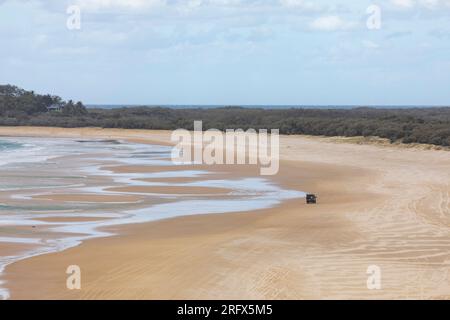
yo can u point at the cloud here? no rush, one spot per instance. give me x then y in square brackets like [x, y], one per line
[331, 23]
[421, 4]
[298, 4]
[370, 44]
[404, 4]
[399, 34]
[180, 47]
[120, 4]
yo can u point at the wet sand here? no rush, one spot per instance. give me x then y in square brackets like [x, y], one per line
[378, 205]
[87, 198]
[174, 190]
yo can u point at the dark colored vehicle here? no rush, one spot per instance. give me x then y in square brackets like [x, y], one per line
[311, 199]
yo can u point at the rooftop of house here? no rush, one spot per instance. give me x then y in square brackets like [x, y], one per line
[54, 107]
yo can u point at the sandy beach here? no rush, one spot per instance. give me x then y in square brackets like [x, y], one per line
[381, 205]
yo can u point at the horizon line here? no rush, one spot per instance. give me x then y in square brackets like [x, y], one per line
[125, 105]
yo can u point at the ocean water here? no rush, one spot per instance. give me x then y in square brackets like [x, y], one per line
[31, 168]
[193, 106]
[5, 146]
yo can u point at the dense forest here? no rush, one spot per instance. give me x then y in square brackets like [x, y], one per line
[22, 105]
[415, 125]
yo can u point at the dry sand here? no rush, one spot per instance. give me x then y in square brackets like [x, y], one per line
[378, 205]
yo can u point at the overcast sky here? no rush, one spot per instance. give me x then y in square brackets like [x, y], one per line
[229, 51]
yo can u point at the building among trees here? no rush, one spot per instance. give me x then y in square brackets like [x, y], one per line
[55, 107]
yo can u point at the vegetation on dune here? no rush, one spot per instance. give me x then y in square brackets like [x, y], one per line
[22, 105]
[416, 125]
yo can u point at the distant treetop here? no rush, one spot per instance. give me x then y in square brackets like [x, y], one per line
[17, 102]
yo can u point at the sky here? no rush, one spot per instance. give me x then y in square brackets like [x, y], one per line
[229, 52]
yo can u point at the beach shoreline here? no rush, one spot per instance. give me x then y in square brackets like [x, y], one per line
[369, 196]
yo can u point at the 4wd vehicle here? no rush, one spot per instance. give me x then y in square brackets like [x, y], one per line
[311, 199]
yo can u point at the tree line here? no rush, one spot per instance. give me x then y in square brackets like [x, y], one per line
[412, 125]
[17, 103]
